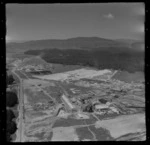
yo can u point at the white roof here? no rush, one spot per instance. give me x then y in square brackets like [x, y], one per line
[101, 106]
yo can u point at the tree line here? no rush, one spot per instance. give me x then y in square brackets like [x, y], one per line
[11, 101]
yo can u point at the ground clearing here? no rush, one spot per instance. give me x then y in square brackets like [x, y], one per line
[74, 75]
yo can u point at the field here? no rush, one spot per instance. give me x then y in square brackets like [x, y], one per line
[74, 75]
[36, 96]
[54, 92]
[40, 72]
[32, 114]
[68, 122]
[41, 136]
[84, 133]
[101, 134]
[64, 134]
[123, 124]
[37, 82]
[129, 77]
[91, 120]
[58, 68]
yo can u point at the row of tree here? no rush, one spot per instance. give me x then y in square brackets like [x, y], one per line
[11, 101]
[11, 125]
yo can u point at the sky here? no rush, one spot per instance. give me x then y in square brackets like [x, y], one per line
[61, 21]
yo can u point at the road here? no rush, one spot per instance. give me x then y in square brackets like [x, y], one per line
[19, 134]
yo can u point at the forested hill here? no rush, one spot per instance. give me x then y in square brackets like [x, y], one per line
[86, 43]
[112, 58]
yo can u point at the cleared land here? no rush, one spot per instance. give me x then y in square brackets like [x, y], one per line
[74, 75]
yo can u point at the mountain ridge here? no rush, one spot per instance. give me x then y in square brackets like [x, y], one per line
[70, 43]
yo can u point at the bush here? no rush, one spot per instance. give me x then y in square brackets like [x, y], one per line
[8, 137]
[11, 127]
[11, 99]
[9, 79]
[10, 115]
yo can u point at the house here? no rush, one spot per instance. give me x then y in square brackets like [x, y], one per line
[101, 106]
[67, 102]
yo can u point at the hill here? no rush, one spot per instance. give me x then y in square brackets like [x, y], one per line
[72, 43]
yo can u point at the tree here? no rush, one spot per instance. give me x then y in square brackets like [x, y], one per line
[11, 99]
[11, 127]
[9, 79]
[10, 115]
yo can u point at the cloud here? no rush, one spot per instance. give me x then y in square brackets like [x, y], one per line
[108, 16]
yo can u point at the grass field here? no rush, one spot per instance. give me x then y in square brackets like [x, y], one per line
[100, 133]
[75, 74]
[84, 133]
[57, 68]
[68, 122]
[64, 134]
[123, 124]
[49, 137]
[91, 120]
[129, 77]
[36, 96]
[40, 135]
[55, 92]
